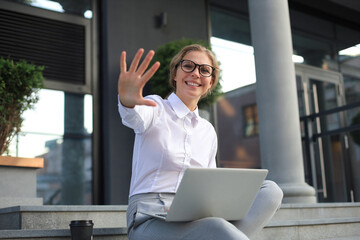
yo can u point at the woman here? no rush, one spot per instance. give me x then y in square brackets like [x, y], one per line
[170, 137]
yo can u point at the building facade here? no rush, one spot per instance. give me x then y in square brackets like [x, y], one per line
[81, 41]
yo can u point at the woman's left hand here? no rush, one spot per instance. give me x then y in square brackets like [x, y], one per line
[132, 82]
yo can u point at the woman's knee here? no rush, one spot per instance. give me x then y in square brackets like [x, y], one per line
[273, 192]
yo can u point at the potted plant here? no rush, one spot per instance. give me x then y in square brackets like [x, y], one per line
[19, 85]
[159, 83]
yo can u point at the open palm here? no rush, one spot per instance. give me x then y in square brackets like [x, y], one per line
[131, 82]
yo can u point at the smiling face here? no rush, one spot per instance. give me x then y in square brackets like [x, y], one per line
[191, 86]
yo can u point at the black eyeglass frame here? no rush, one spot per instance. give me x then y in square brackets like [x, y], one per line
[197, 65]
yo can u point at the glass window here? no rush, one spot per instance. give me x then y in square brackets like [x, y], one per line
[59, 129]
[314, 51]
[230, 25]
[250, 120]
[313, 42]
[349, 60]
[80, 8]
[236, 61]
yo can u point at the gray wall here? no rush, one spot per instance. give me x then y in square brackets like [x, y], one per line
[129, 25]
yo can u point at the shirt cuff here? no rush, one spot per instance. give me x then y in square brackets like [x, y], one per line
[123, 111]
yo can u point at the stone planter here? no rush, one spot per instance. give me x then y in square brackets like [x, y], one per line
[18, 181]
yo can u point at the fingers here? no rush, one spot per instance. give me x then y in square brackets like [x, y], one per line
[132, 82]
[134, 64]
[123, 62]
[136, 60]
[149, 73]
[146, 62]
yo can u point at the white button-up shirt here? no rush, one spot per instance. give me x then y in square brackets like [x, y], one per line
[169, 138]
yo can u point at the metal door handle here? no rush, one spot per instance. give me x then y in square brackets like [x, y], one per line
[321, 152]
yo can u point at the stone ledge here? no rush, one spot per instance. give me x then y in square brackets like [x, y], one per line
[325, 229]
[313, 222]
[65, 208]
[344, 238]
[7, 202]
[318, 205]
[295, 212]
[6, 234]
[59, 217]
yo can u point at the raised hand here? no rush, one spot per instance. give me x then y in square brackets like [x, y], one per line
[132, 82]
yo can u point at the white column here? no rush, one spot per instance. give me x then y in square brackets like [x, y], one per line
[280, 137]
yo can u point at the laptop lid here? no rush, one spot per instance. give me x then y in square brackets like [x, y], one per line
[215, 192]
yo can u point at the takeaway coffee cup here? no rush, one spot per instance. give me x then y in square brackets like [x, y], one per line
[81, 229]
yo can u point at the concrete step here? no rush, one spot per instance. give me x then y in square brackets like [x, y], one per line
[317, 211]
[345, 238]
[98, 234]
[338, 228]
[336, 221]
[59, 217]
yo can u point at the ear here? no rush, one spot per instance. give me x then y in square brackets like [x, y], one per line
[212, 81]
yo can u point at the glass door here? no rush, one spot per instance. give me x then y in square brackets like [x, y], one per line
[328, 150]
[325, 150]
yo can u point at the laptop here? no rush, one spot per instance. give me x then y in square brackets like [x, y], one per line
[215, 192]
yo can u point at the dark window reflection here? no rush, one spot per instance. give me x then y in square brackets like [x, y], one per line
[251, 120]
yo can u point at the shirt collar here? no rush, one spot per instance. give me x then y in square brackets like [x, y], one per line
[181, 110]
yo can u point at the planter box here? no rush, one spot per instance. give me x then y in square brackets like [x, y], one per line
[18, 181]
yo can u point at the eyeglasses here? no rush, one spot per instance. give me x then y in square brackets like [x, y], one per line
[189, 66]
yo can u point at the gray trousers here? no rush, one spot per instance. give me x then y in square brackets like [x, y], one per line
[142, 226]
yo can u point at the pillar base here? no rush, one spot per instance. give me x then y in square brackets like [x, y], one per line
[298, 193]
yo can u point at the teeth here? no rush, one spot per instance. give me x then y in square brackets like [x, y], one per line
[192, 84]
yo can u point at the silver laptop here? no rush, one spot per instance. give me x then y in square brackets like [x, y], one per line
[215, 192]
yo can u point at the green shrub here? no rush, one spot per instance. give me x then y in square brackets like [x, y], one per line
[19, 85]
[159, 83]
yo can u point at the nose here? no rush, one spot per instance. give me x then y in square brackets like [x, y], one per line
[196, 71]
